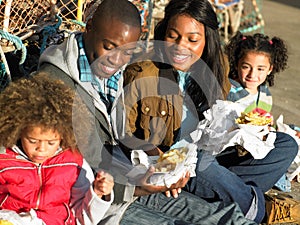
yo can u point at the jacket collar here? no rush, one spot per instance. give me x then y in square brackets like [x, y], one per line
[169, 73]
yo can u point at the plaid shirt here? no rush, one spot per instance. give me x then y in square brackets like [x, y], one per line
[86, 75]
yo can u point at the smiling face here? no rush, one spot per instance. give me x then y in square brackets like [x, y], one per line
[253, 70]
[109, 45]
[39, 144]
[185, 41]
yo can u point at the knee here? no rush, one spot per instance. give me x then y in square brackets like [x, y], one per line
[288, 144]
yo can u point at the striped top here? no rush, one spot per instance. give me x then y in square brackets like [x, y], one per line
[260, 102]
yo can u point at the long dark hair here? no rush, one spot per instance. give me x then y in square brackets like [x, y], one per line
[202, 11]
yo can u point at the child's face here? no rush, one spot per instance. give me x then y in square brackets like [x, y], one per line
[185, 41]
[253, 70]
[39, 144]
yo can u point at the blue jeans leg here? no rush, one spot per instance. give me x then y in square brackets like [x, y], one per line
[157, 209]
[241, 179]
[214, 182]
[264, 173]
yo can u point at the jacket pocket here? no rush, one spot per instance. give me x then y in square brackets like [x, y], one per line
[156, 114]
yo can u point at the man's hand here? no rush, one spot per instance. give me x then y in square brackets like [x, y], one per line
[144, 188]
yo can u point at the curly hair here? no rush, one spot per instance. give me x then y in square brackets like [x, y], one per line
[275, 48]
[37, 101]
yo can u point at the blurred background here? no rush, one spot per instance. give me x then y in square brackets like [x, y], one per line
[282, 19]
[27, 27]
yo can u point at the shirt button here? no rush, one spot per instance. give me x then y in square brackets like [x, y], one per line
[163, 112]
[147, 109]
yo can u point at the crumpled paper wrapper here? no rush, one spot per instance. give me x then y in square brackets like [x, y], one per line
[294, 169]
[141, 162]
[220, 131]
[25, 218]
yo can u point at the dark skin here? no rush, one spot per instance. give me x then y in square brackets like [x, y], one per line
[109, 44]
[145, 188]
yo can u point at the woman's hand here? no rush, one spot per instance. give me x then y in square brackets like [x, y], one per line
[103, 185]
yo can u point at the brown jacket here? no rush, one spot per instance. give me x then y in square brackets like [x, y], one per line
[153, 103]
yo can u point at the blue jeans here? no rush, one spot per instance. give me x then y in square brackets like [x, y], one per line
[157, 209]
[231, 178]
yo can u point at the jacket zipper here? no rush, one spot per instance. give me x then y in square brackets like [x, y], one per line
[40, 190]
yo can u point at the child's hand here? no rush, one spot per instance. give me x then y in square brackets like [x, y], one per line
[103, 184]
[298, 134]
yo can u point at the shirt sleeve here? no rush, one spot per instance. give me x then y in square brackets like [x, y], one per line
[87, 206]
